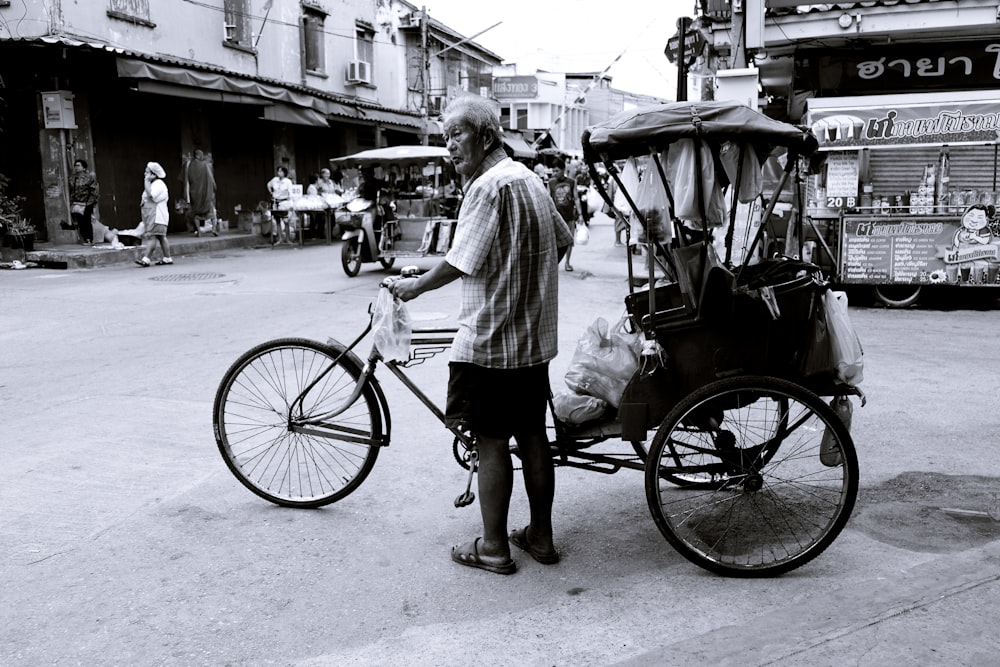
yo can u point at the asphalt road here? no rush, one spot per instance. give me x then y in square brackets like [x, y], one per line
[125, 540]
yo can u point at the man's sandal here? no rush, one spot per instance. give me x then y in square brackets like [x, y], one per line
[519, 538]
[468, 555]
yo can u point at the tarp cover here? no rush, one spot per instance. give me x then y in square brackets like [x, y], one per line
[637, 131]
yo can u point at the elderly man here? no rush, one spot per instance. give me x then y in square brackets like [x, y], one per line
[506, 250]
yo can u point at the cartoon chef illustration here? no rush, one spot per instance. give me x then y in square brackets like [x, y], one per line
[975, 229]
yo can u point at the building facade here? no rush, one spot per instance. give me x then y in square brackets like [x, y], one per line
[552, 109]
[255, 84]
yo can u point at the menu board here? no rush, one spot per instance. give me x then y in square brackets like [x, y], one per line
[842, 175]
[894, 250]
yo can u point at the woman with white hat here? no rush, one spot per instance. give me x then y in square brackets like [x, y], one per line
[155, 215]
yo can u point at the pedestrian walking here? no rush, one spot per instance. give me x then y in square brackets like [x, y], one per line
[562, 189]
[83, 198]
[155, 215]
[507, 247]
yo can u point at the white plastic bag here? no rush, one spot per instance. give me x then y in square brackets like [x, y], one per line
[654, 204]
[604, 361]
[684, 175]
[834, 347]
[391, 322]
[582, 236]
[573, 408]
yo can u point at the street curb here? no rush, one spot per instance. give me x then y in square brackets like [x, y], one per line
[79, 257]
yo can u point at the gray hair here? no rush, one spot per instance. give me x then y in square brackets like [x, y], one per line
[478, 114]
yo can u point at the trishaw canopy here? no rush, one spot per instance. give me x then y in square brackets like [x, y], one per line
[635, 132]
[402, 156]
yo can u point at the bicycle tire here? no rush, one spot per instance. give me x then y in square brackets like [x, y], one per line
[765, 504]
[253, 425]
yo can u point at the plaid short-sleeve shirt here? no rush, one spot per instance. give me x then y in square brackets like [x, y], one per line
[507, 244]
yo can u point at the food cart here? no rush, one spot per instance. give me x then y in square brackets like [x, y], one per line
[908, 191]
[410, 214]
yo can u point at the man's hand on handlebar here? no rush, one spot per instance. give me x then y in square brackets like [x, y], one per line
[404, 286]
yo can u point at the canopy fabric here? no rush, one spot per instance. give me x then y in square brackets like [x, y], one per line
[515, 141]
[402, 156]
[138, 69]
[285, 113]
[637, 131]
[307, 107]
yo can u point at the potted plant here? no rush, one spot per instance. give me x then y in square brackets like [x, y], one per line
[17, 231]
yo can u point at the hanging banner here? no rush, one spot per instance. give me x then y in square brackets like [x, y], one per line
[960, 122]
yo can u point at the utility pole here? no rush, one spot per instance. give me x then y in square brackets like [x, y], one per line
[425, 74]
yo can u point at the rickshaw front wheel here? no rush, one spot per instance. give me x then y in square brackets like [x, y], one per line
[261, 429]
[763, 488]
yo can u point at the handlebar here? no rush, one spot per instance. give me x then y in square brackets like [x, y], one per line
[405, 272]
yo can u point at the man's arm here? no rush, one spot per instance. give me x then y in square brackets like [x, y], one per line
[410, 288]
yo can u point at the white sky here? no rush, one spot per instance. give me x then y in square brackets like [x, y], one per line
[576, 36]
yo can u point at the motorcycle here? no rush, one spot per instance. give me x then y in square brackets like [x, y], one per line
[410, 224]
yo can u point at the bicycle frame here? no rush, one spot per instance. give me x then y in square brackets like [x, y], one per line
[424, 344]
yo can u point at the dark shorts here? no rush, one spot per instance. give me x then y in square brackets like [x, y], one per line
[498, 402]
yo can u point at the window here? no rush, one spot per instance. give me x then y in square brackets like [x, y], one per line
[237, 30]
[312, 28]
[364, 45]
[136, 11]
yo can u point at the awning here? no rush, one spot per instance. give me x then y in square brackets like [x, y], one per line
[289, 106]
[284, 113]
[369, 114]
[182, 76]
[515, 141]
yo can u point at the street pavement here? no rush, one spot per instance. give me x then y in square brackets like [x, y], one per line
[125, 540]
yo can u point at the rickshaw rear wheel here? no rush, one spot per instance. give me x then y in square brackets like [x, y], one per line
[350, 257]
[769, 485]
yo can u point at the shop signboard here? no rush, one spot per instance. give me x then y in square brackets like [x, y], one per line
[920, 250]
[846, 127]
[515, 87]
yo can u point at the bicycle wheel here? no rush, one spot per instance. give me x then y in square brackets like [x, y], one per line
[270, 450]
[771, 478]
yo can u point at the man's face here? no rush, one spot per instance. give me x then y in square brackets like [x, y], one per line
[325, 174]
[467, 148]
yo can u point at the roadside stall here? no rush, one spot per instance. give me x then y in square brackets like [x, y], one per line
[312, 210]
[908, 191]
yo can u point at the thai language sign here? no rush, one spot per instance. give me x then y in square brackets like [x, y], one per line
[900, 68]
[916, 251]
[952, 123]
[514, 87]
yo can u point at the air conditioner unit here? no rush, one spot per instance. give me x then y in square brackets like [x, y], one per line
[359, 71]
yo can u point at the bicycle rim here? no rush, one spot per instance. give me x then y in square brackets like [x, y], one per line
[760, 500]
[253, 419]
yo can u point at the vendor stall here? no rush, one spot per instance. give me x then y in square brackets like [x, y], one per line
[909, 184]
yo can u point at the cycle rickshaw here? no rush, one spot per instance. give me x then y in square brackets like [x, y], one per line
[748, 471]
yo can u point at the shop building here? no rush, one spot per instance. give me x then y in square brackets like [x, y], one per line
[902, 96]
[256, 84]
